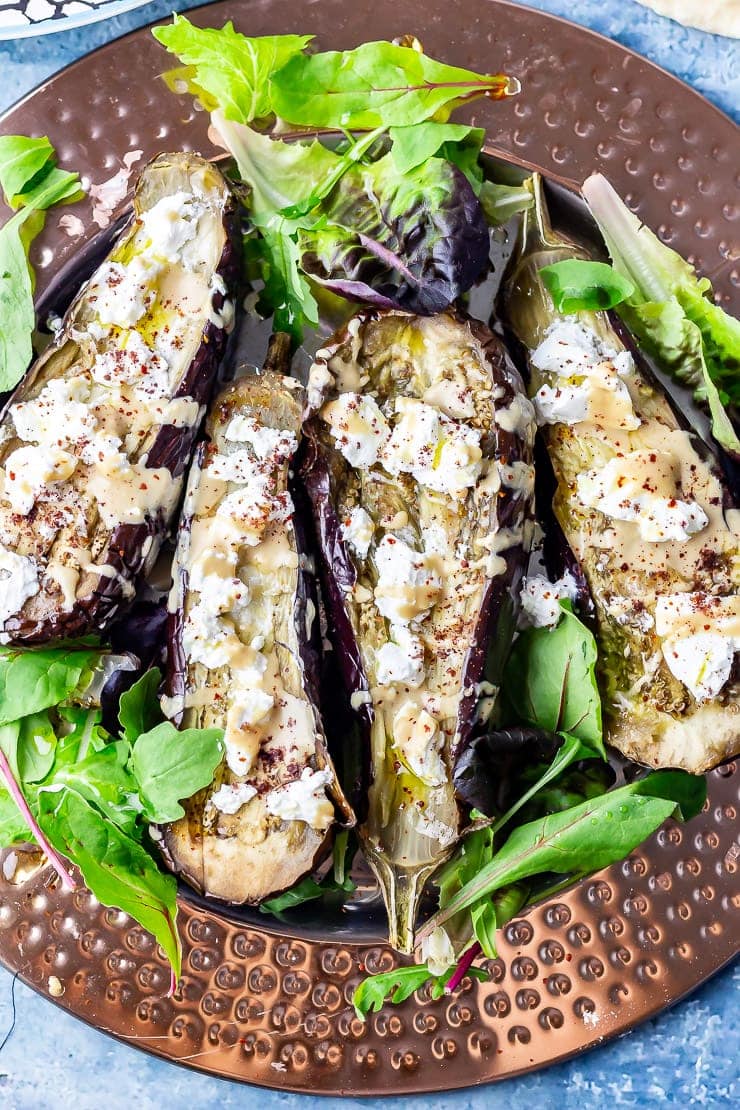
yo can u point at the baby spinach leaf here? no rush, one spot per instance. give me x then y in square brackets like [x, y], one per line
[577, 285]
[169, 765]
[13, 829]
[583, 838]
[139, 709]
[21, 159]
[232, 70]
[376, 85]
[117, 870]
[37, 743]
[36, 679]
[102, 778]
[551, 680]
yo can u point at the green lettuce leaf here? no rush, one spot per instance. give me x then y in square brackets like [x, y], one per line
[670, 310]
[229, 70]
[378, 84]
[576, 285]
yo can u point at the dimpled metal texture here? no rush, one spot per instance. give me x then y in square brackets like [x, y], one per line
[254, 1003]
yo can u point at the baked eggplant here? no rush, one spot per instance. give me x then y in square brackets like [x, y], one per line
[418, 468]
[643, 505]
[244, 647]
[95, 442]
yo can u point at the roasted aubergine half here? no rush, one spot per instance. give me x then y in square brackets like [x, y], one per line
[95, 442]
[243, 647]
[418, 466]
[642, 503]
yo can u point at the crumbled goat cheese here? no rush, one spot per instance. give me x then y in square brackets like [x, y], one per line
[133, 363]
[418, 740]
[702, 662]
[273, 444]
[59, 415]
[401, 659]
[19, 580]
[29, 471]
[303, 800]
[230, 797]
[569, 348]
[440, 454]
[357, 530]
[455, 399]
[358, 426]
[408, 581]
[124, 293]
[563, 404]
[169, 225]
[641, 486]
[541, 599]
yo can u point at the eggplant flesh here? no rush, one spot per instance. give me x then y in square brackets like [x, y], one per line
[95, 441]
[643, 505]
[418, 468]
[243, 655]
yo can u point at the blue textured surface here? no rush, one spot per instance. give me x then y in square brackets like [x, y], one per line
[688, 1056]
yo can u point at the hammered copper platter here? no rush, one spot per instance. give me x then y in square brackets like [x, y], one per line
[273, 1007]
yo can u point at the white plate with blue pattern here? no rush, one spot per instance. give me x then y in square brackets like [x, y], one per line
[28, 18]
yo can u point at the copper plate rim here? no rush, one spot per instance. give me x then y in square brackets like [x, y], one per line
[271, 1007]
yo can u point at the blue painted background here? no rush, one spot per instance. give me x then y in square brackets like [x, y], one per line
[687, 1057]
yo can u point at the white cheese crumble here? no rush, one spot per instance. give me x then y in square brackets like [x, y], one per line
[401, 659]
[274, 444]
[131, 362]
[418, 741]
[124, 293]
[357, 530]
[437, 951]
[230, 797]
[701, 633]
[29, 471]
[408, 581]
[702, 662]
[19, 580]
[358, 427]
[440, 454]
[541, 599]
[642, 487]
[169, 225]
[569, 348]
[59, 415]
[304, 799]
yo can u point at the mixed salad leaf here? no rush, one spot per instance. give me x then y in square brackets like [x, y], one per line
[31, 184]
[405, 227]
[90, 797]
[663, 302]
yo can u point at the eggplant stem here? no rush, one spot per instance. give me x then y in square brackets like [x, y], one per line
[402, 888]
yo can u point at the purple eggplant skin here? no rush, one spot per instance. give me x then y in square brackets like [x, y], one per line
[246, 856]
[489, 622]
[131, 549]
